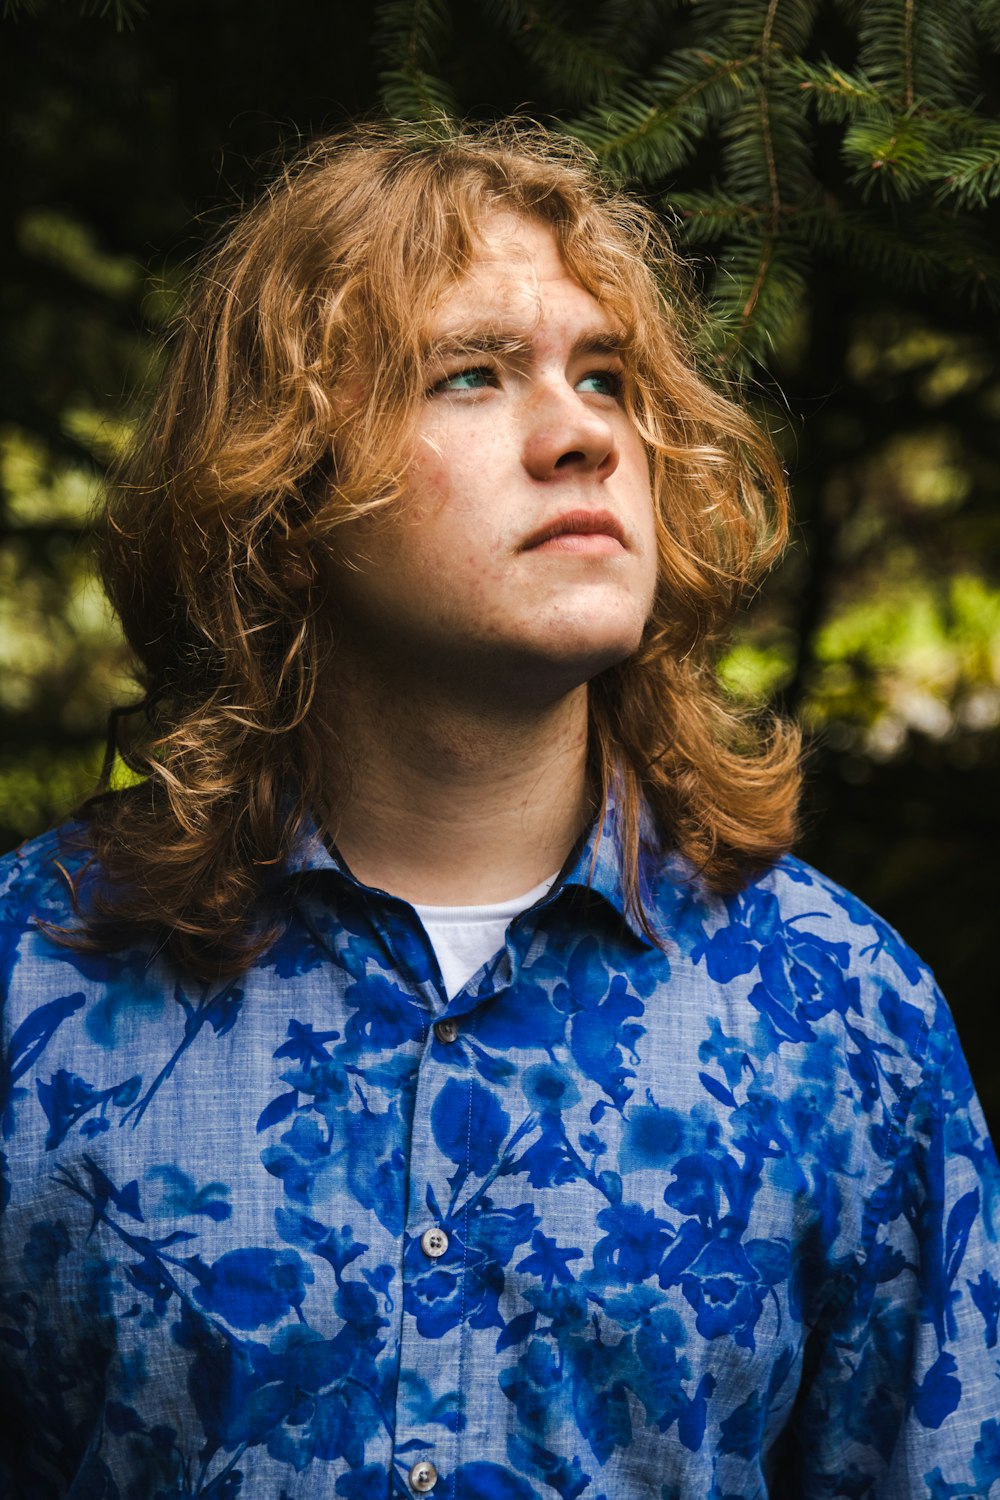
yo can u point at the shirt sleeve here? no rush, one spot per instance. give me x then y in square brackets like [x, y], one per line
[901, 1390]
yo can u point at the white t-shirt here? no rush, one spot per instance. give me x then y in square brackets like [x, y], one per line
[464, 937]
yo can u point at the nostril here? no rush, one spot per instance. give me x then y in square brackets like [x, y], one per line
[568, 459]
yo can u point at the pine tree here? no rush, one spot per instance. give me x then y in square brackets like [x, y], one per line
[765, 150]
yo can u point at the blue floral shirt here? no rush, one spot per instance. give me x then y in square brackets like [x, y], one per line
[614, 1223]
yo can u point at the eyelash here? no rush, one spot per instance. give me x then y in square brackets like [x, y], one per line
[440, 387]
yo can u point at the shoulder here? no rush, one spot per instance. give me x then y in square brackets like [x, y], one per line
[811, 903]
[37, 878]
[831, 1016]
[808, 962]
[37, 885]
[789, 906]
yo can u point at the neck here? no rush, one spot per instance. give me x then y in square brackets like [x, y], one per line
[448, 805]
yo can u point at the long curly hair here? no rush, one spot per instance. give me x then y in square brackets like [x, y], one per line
[219, 517]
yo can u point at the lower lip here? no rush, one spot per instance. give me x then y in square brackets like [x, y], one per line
[593, 543]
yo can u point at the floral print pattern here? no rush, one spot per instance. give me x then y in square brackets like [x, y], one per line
[719, 1219]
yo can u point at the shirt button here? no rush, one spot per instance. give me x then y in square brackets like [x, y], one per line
[433, 1242]
[446, 1031]
[423, 1476]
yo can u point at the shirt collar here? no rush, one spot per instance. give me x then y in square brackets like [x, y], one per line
[596, 863]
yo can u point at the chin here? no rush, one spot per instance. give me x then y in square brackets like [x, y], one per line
[578, 661]
[601, 638]
[605, 624]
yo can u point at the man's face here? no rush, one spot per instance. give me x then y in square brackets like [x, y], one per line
[522, 555]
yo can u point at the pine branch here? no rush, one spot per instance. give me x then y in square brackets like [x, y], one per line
[921, 250]
[985, 17]
[708, 217]
[758, 291]
[917, 48]
[970, 176]
[758, 137]
[908, 53]
[766, 151]
[945, 52]
[651, 128]
[409, 34]
[124, 13]
[895, 154]
[625, 27]
[757, 25]
[710, 81]
[575, 66]
[835, 94]
[413, 94]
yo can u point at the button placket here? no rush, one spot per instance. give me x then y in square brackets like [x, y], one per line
[430, 1357]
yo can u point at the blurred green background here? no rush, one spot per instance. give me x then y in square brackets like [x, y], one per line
[833, 171]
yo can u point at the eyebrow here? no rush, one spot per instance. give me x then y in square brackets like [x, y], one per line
[497, 342]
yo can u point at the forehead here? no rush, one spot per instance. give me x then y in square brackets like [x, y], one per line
[516, 276]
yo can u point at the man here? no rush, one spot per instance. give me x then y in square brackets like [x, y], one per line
[432, 1075]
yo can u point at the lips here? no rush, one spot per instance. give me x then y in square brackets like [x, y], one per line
[576, 523]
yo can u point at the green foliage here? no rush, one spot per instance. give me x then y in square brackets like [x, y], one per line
[577, 64]
[124, 13]
[741, 94]
[653, 126]
[804, 151]
[411, 33]
[970, 174]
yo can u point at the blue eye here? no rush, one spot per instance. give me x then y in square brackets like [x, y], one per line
[601, 383]
[477, 378]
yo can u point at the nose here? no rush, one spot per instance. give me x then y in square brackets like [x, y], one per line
[566, 435]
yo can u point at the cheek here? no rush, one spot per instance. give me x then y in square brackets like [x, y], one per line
[454, 520]
[461, 462]
[428, 485]
[438, 509]
[442, 458]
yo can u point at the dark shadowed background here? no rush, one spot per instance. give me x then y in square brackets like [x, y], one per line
[833, 171]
